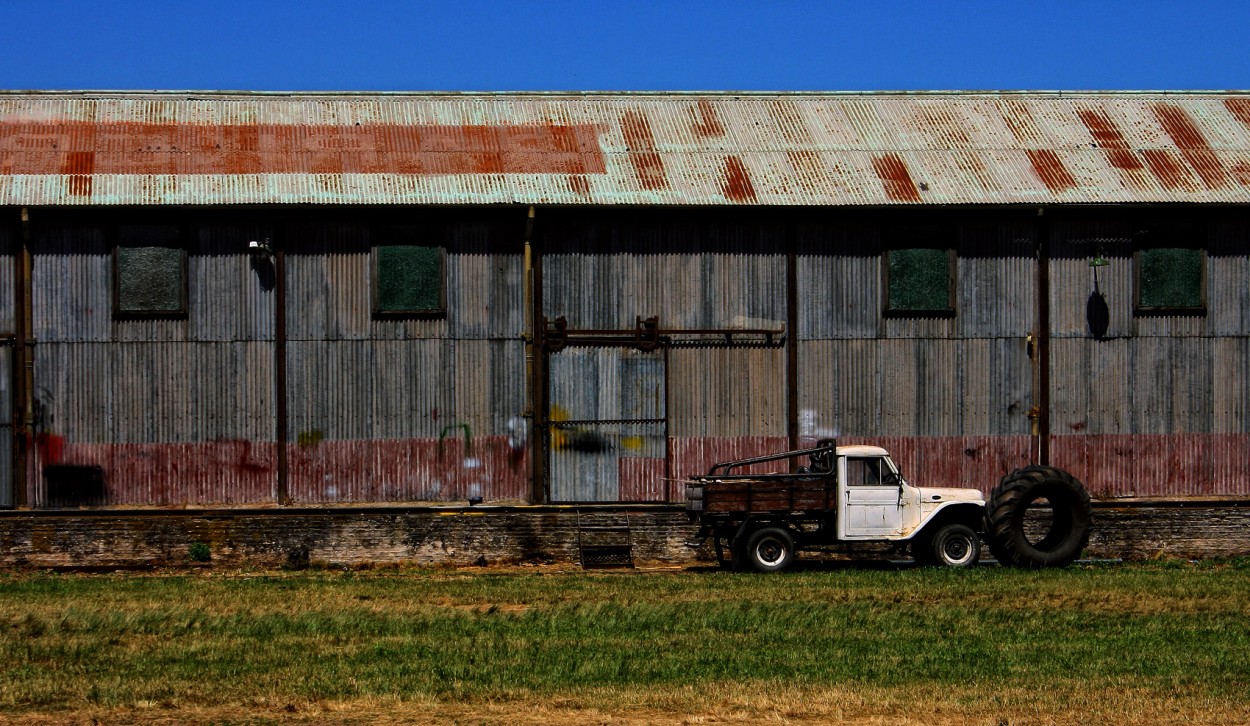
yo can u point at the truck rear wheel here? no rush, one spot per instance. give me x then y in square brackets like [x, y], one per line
[1062, 539]
[955, 545]
[770, 550]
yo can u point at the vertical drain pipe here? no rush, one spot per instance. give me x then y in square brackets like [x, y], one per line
[792, 339]
[1043, 337]
[534, 359]
[23, 368]
[279, 369]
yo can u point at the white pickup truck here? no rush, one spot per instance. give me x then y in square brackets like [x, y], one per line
[846, 496]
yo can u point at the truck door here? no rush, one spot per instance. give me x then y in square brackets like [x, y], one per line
[870, 507]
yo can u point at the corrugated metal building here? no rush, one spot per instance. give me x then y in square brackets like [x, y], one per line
[221, 298]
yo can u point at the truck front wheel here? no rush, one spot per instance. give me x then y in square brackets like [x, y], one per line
[770, 550]
[955, 545]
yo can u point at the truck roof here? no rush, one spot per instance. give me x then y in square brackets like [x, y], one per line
[862, 450]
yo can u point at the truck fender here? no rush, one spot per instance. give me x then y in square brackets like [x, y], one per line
[968, 513]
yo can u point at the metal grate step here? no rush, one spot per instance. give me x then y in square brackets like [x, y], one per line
[604, 539]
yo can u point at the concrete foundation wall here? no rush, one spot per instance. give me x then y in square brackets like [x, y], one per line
[467, 536]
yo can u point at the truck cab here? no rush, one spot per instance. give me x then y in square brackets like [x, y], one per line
[844, 496]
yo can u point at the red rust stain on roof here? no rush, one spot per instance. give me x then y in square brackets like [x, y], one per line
[897, 180]
[1170, 172]
[706, 122]
[171, 148]
[579, 185]
[809, 168]
[790, 121]
[737, 186]
[1193, 146]
[1020, 122]
[1241, 172]
[642, 154]
[1107, 135]
[949, 130]
[1239, 107]
[79, 166]
[1050, 170]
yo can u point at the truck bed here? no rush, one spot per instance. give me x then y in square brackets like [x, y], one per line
[776, 493]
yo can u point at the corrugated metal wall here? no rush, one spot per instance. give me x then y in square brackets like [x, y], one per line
[1159, 406]
[174, 411]
[690, 268]
[950, 395]
[695, 271]
[407, 409]
[183, 412]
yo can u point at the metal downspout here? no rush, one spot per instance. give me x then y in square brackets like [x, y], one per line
[792, 339]
[23, 368]
[1043, 337]
[279, 370]
[534, 359]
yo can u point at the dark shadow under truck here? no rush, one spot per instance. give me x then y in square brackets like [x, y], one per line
[846, 497]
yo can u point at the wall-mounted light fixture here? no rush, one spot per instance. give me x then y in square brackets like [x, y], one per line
[260, 249]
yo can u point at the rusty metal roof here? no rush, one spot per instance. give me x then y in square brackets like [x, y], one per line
[841, 149]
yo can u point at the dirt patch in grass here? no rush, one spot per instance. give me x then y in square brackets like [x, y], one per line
[709, 704]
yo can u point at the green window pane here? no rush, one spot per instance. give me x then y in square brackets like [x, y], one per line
[1170, 277]
[149, 280]
[919, 280]
[409, 279]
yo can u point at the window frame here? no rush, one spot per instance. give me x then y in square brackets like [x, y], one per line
[407, 314]
[952, 279]
[882, 470]
[1160, 232]
[183, 296]
[1169, 310]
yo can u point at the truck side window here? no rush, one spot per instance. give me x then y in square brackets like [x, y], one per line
[863, 471]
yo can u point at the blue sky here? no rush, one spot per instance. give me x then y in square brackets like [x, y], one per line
[478, 45]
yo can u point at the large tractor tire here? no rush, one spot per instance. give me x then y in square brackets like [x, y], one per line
[1068, 532]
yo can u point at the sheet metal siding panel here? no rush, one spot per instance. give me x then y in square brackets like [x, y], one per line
[841, 284]
[606, 384]
[839, 281]
[9, 246]
[576, 149]
[610, 463]
[1156, 465]
[403, 388]
[72, 288]
[604, 275]
[910, 387]
[1148, 385]
[6, 428]
[1075, 244]
[693, 455]
[1231, 386]
[450, 410]
[170, 423]
[1153, 416]
[154, 392]
[978, 462]
[727, 392]
[329, 283]
[1228, 277]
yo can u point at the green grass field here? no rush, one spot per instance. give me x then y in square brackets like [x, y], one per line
[1161, 643]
